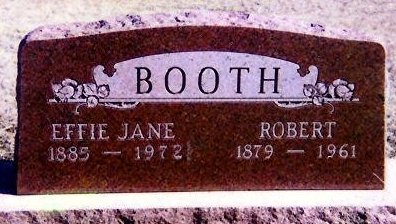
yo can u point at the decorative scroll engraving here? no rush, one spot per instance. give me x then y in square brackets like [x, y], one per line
[203, 77]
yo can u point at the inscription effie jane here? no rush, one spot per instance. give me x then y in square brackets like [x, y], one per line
[98, 132]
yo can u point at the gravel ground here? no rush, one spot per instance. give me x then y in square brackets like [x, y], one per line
[17, 18]
[210, 215]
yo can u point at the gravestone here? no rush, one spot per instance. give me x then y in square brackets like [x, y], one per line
[196, 107]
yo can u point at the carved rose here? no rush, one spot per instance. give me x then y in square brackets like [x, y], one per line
[321, 88]
[316, 92]
[89, 92]
[90, 89]
[92, 101]
[78, 92]
[68, 89]
[341, 89]
[103, 91]
[321, 92]
[318, 100]
[309, 90]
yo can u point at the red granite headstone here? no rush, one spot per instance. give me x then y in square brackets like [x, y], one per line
[198, 108]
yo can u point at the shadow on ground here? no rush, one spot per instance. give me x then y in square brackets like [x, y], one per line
[7, 177]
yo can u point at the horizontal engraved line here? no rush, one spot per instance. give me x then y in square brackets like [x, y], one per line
[251, 99]
[295, 151]
[111, 152]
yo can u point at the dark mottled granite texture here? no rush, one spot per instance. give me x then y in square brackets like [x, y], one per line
[210, 168]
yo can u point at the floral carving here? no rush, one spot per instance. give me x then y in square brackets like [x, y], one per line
[321, 93]
[70, 89]
[89, 94]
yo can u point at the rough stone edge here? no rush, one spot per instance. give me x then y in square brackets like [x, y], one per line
[384, 214]
[190, 18]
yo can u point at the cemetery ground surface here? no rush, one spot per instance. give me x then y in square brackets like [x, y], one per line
[20, 17]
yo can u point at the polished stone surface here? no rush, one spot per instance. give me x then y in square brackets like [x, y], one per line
[211, 134]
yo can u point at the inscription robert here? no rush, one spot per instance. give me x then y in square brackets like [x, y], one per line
[302, 130]
[295, 130]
